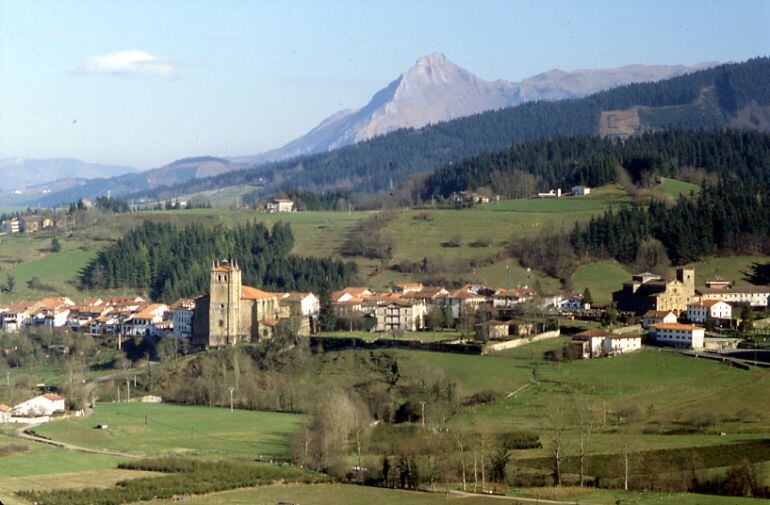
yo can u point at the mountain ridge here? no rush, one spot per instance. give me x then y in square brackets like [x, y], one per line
[435, 89]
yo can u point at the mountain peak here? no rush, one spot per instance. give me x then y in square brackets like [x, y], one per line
[432, 60]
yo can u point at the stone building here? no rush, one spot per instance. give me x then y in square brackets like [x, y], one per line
[232, 312]
[647, 291]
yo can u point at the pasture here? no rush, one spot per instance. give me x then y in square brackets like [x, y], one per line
[164, 429]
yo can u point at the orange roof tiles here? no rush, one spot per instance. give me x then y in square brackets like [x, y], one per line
[250, 293]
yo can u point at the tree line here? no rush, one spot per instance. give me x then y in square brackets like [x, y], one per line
[170, 262]
[522, 169]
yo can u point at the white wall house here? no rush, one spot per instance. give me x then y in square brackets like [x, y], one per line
[756, 296]
[142, 323]
[656, 317]
[621, 344]
[307, 303]
[698, 312]
[43, 405]
[182, 312]
[279, 205]
[679, 335]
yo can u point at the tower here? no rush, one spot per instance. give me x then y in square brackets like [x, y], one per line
[225, 303]
[686, 275]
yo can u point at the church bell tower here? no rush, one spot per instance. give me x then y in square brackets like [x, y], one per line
[225, 303]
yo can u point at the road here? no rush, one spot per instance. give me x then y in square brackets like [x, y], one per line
[23, 431]
[520, 499]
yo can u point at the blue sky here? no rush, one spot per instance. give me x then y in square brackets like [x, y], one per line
[146, 82]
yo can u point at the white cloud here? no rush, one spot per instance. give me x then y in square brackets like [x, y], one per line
[131, 62]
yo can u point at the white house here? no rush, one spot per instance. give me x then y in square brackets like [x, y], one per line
[16, 316]
[306, 304]
[182, 312]
[698, 312]
[756, 296]
[621, 344]
[279, 205]
[143, 322]
[656, 317]
[572, 302]
[581, 190]
[597, 342]
[507, 298]
[679, 335]
[43, 405]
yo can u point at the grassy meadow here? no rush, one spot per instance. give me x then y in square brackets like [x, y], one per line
[177, 429]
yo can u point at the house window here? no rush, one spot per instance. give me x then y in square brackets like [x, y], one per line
[221, 323]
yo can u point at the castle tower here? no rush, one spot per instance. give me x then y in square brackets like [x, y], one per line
[225, 304]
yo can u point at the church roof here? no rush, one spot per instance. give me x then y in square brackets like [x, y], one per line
[250, 293]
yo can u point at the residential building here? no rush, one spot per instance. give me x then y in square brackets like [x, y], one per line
[30, 223]
[621, 344]
[756, 296]
[468, 198]
[306, 304]
[51, 312]
[647, 291]
[399, 315]
[598, 342]
[699, 312]
[679, 335]
[279, 205]
[12, 225]
[351, 292]
[553, 193]
[462, 302]
[5, 413]
[508, 298]
[182, 313]
[656, 317]
[16, 316]
[144, 322]
[43, 405]
[429, 296]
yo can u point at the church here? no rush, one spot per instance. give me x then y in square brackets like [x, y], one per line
[231, 312]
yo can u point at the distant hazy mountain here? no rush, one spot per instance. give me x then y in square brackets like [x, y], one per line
[177, 172]
[435, 90]
[59, 173]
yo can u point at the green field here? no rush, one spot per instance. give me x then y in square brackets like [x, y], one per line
[176, 429]
[602, 278]
[674, 187]
[728, 267]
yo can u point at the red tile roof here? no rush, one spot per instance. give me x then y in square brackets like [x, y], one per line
[250, 293]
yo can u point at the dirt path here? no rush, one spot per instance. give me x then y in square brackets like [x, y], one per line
[519, 499]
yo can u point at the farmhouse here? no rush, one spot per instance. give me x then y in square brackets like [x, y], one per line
[468, 198]
[232, 312]
[656, 317]
[507, 298]
[679, 335]
[43, 405]
[598, 342]
[462, 301]
[647, 291]
[279, 205]
[699, 312]
[12, 225]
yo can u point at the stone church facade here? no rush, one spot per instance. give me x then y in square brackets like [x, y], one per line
[231, 312]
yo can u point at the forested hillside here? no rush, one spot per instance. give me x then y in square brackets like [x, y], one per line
[380, 163]
[522, 169]
[731, 217]
[172, 262]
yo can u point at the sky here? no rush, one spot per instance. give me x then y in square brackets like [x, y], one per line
[143, 83]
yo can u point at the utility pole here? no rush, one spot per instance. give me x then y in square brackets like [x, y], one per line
[422, 412]
[128, 390]
[231, 388]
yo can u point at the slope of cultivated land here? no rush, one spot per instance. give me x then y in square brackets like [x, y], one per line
[177, 429]
[728, 267]
[601, 277]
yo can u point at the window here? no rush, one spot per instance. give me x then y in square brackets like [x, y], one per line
[221, 323]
